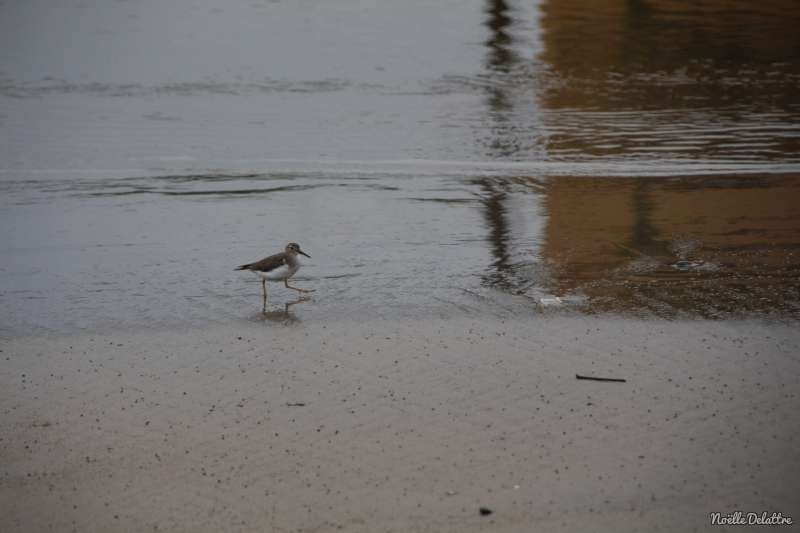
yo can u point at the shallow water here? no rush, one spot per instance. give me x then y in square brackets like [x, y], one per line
[430, 158]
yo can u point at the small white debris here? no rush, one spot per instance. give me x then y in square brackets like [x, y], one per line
[551, 301]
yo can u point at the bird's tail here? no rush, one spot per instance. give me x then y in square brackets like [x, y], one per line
[243, 267]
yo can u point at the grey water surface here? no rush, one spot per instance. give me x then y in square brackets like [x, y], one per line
[433, 158]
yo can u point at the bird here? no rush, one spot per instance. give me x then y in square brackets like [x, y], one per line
[278, 267]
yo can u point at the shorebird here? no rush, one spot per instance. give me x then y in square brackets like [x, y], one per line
[278, 267]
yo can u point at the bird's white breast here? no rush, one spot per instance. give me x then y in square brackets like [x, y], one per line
[281, 273]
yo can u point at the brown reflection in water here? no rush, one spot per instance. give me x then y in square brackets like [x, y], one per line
[645, 79]
[614, 241]
[584, 35]
[701, 80]
[670, 53]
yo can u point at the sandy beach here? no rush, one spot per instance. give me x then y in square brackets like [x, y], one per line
[402, 426]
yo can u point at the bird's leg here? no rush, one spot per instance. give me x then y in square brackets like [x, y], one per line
[286, 282]
[264, 286]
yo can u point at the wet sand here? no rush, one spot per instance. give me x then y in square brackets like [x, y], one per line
[401, 426]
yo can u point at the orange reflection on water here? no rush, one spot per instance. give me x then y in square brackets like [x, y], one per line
[617, 241]
[701, 80]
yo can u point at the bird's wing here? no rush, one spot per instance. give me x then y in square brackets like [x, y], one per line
[267, 264]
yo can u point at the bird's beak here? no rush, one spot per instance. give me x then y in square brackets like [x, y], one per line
[305, 254]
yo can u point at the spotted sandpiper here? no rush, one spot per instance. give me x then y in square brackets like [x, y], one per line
[278, 267]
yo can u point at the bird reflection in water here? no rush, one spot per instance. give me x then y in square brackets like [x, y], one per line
[284, 316]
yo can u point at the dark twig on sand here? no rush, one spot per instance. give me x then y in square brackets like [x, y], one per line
[296, 404]
[599, 379]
